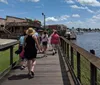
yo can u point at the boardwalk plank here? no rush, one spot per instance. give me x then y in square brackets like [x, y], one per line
[47, 72]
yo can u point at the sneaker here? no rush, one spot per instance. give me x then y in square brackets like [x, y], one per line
[22, 67]
[53, 53]
[32, 74]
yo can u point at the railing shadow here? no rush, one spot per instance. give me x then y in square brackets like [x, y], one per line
[64, 72]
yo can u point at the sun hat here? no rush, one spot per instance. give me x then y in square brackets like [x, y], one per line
[30, 31]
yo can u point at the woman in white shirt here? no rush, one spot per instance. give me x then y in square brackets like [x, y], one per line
[44, 42]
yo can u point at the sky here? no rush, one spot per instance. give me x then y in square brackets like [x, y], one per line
[72, 13]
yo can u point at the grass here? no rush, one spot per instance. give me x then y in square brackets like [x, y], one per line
[5, 58]
[85, 71]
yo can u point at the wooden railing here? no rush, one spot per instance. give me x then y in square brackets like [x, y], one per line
[7, 54]
[84, 66]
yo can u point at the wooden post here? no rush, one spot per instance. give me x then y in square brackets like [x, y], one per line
[78, 67]
[11, 55]
[65, 48]
[68, 36]
[93, 71]
[72, 63]
[68, 50]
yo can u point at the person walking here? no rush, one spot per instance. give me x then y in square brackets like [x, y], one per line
[36, 34]
[22, 57]
[55, 41]
[44, 42]
[30, 50]
[20, 49]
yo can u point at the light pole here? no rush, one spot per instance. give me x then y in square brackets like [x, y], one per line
[44, 19]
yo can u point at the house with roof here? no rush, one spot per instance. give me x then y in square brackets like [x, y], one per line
[12, 27]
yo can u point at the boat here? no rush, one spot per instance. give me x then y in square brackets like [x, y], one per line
[70, 35]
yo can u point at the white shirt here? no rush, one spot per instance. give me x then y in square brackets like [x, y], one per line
[44, 38]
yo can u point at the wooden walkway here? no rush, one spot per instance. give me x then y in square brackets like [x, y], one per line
[48, 71]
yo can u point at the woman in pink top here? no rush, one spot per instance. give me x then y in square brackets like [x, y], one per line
[55, 41]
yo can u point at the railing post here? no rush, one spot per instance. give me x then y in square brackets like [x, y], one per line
[68, 36]
[61, 41]
[78, 67]
[63, 45]
[68, 50]
[72, 64]
[11, 55]
[65, 49]
[93, 72]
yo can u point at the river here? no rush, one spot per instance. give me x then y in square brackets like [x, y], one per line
[89, 41]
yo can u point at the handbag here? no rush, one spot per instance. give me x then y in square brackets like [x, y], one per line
[22, 54]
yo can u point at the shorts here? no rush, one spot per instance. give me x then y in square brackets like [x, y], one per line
[55, 46]
[44, 43]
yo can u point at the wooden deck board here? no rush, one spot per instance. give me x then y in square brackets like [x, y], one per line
[47, 72]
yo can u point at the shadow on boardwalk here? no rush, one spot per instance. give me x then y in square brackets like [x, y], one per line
[49, 70]
[18, 77]
[64, 72]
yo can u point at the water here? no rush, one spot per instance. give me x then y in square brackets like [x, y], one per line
[89, 41]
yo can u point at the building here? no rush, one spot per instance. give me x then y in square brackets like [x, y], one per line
[12, 27]
[57, 27]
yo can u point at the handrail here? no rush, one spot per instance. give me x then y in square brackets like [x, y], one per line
[90, 57]
[4, 45]
[11, 43]
[93, 62]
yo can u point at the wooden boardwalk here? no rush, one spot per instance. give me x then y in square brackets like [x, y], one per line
[48, 71]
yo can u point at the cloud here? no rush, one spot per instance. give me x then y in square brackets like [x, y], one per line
[30, 0]
[69, 1]
[56, 19]
[76, 7]
[51, 19]
[63, 17]
[89, 10]
[34, 0]
[96, 17]
[39, 6]
[4, 1]
[81, 7]
[92, 22]
[89, 2]
[75, 15]
[75, 24]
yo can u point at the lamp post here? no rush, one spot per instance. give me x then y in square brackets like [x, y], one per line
[44, 19]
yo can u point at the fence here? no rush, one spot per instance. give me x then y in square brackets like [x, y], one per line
[83, 65]
[7, 57]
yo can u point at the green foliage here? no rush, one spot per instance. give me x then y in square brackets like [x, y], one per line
[61, 32]
[49, 31]
[5, 58]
